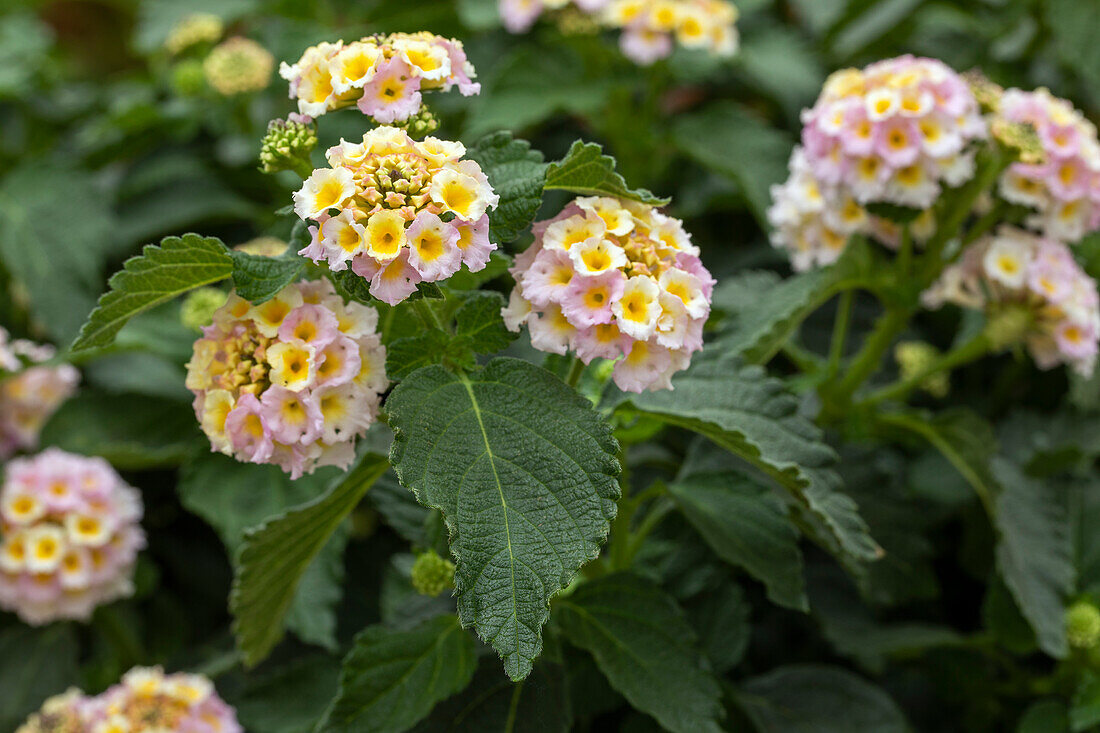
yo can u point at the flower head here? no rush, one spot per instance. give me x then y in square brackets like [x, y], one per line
[1032, 287]
[292, 381]
[64, 713]
[192, 30]
[1064, 187]
[69, 536]
[29, 393]
[384, 75]
[238, 65]
[380, 209]
[613, 279]
[650, 27]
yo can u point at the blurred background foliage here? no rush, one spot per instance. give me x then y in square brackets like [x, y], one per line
[107, 143]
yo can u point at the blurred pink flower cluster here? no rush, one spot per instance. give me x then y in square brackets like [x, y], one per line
[69, 536]
[614, 279]
[29, 394]
[292, 381]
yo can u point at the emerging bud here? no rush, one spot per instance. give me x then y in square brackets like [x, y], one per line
[194, 29]
[287, 146]
[70, 533]
[421, 124]
[199, 306]
[432, 574]
[913, 358]
[1083, 625]
[238, 65]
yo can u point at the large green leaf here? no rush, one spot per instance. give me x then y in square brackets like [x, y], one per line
[644, 645]
[258, 278]
[37, 663]
[288, 697]
[516, 173]
[754, 416]
[523, 470]
[159, 274]
[810, 698]
[585, 170]
[1035, 551]
[275, 555]
[1072, 23]
[747, 526]
[392, 679]
[731, 141]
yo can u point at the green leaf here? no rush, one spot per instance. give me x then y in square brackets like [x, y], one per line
[644, 645]
[517, 174]
[159, 274]
[1085, 711]
[1035, 551]
[1045, 716]
[405, 355]
[494, 704]
[733, 142]
[258, 278]
[585, 170]
[721, 619]
[39, 663]
[807, 698]
[780, 62]
[523, 470]
[392, 679]
[276, 554]
[1071, 23]
[479, 325]
[747, 526]
[288, 698]
[353, 287]
[756, 418]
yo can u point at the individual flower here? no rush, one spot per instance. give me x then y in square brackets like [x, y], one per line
[192, 30]
[1064, 187]
[238, 65]
[895, 132]
[397, 211]
[29, 392]
[649, 27]
[384, 75]
[69, 536]
[1032, 287]
[613, 279]
[292, 381]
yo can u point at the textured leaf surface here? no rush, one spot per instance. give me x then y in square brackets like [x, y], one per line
[756, 418]
[818, 699]
[392, 679]
[288, 697]
[516, 173]
[276, 554]
[159, 274]
[1035, 551]
[523, 470]
[747, 526]
[585, 170]
[258, 278]
[479, 325]
[644, 645]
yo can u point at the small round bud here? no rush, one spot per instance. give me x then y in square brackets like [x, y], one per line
[432, 574]
[913, 358]
[287, 146]
[1083, 625]
[1007, 327]
[194, 29]
[239, 65]
[188, 78]
[199, 306]
[421, 124]
[1020, 137]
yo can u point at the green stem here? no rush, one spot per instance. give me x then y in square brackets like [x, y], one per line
[840, 331]
[972, 350]
[905, 252]
[302, 167]
[576, 369]
[867, 361]
[660, 510]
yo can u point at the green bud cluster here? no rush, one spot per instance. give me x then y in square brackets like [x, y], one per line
[915, 357]
[421, 124]
[1020, 137]
[432, 574]
[1083, 625]
[287, 146]
[199, 306]
[1007, 327]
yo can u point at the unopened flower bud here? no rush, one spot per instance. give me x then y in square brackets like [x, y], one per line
[914, 358]
[1007, 327]
[199, 306]
[432, 574]
[188, 78]
[194, 29]
[239, 65]
[1083, 625]
[421, 124]
[287, 146]
[1020, 137]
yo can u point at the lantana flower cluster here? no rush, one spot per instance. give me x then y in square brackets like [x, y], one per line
[69, 536]
[1064, 188]
[383, 75]
[614, 279]
[29, 395]
[292, 381]
[519, 15]
[238, 65]
[650, 27]
[146, 701]
[391, 194]
[1052, 301]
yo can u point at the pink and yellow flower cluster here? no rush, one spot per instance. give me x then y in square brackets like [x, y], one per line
[1055, 299]
[383, 75]
[391, 194]
[292, 381]
[614, 279]
[1064, 188]
[146, 701]
[69, 536]
[519, 15]
[650, 26]
[894, 132]
[29, 394]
